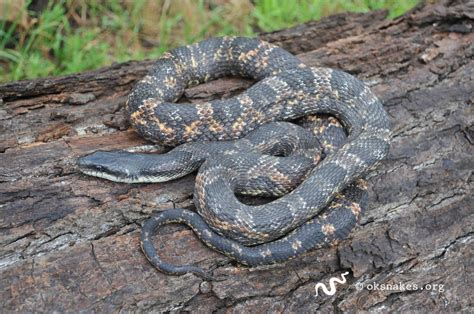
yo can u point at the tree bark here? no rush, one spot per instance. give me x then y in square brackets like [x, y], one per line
[71, 242]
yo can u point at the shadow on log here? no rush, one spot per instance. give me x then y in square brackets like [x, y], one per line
[70, 242]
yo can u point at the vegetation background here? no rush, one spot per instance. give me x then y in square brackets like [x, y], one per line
[41, 38]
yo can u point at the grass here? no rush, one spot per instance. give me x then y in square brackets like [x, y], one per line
[69, 36]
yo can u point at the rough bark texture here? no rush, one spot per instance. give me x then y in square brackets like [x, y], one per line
[70, 242]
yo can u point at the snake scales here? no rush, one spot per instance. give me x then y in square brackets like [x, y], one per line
[232, 141]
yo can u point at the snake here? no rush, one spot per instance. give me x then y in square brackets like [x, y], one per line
[321, 205]
[332, 285]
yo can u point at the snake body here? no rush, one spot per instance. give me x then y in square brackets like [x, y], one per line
[276, 138]
[334, 224]
[285, 90]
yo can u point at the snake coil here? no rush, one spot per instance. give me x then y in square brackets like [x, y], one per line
[236, 145]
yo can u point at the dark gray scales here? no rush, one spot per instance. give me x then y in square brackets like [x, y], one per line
[285, 90]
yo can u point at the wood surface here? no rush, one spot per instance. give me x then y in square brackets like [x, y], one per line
[69, 242]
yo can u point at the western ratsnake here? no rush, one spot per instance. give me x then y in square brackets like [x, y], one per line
[285, 90]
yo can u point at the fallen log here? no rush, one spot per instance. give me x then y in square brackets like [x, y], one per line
[71, 242]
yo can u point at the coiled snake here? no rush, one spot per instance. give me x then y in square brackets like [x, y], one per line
[239, 148]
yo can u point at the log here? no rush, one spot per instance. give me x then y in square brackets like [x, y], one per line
[71, 242]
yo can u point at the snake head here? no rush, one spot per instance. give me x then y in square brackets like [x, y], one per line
[128, 167]
[117, 166]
